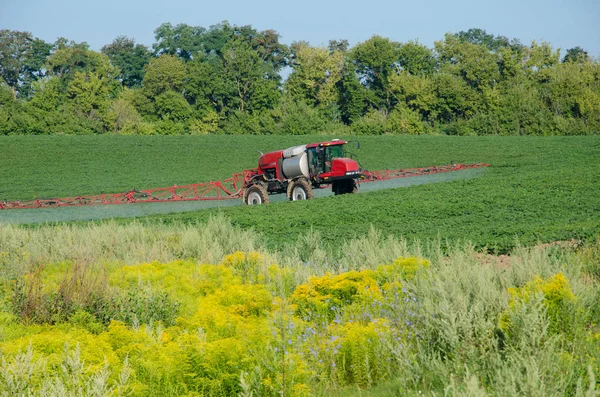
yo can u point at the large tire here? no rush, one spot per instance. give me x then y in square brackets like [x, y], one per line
[256, 195]
[344, 187]
[299, 189]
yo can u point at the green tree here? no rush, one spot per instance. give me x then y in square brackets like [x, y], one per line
[183, 41]
[538, 58]
[338, 45]
[455, 99]
[572, 90]
[72, 57]
[473, 62]
[416, 58]
[206, 86]
[352, 96]
[46, 95]
[315, 76]
[374, 60]
[418, 93]
[171, 105]
[243, 66]
[188, 42]
[403, 120]
[576, 54]
[88, 94]
[165, 73]
[22, 58]
[130, 58]
[122, 116]
[493, 43]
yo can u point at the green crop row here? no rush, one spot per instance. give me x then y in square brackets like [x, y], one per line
[536, 189]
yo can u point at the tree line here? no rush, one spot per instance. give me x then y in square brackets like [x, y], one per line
[228, 79]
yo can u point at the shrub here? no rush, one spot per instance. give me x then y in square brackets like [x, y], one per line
[372, 123]
[326, 294]
[403, 120]
[558, 301]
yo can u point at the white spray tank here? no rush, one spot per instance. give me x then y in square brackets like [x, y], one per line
[295, 162]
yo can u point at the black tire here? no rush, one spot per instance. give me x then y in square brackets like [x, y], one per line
[299, 189]
[256, 195]
[344, 187]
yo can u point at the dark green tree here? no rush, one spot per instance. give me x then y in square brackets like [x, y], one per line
[338, 45]
[374, 60]
[352, 96]
[575, 54]
[22, 58]
[481, 37]
[416, 58]
[206, 86]
[130, 58]
[254, 87]
[183, 41]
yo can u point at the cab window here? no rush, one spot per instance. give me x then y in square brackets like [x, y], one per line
[332, 152]
[336, 151]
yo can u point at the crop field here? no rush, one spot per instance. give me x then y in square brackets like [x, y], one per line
[485, 282]
[538, 189]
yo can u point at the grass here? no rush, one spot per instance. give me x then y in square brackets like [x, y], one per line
[539, 189]
[80, 310]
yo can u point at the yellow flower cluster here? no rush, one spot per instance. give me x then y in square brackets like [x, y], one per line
[555, 289]
[237, 324]
[331, 292]
[402, 267]
[557, 298]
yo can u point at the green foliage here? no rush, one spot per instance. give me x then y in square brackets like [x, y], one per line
[206, 87]
[373, 123]
[171, 105]
[163, 74]
[411, 325]
[130, 58]
[242, 123]
[416, 58]
[374, 61]
[122, 116]
[352, 97]
[182, 40]
[298, 118]
[575, 54]
[228, 79]
[254, 86]
[22, 59]
[316, 73]
[557, 298]
[481, 37]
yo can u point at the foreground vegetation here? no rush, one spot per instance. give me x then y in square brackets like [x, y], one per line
[207, 309]
[228, 79]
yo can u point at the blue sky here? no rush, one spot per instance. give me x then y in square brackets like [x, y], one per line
[563, 23]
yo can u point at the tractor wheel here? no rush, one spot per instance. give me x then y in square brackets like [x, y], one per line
[300, 189]
[344, 187]
[256, 195]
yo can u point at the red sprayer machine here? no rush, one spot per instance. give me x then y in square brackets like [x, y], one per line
[295, 171]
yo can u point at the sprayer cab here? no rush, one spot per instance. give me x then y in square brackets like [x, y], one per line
[297, 170]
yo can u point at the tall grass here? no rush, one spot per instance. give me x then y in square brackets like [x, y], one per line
[26, 248]
[468, 323]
